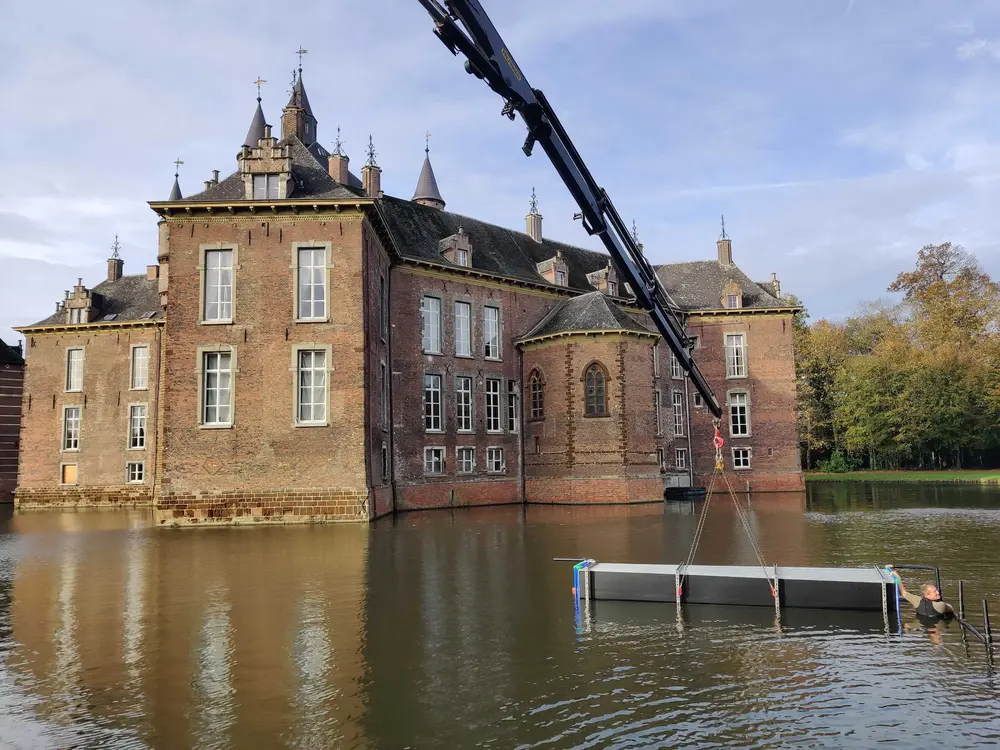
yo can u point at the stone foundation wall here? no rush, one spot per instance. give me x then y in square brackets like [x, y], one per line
[457, 494]
[125, 496]
[261, 507]
[597, 490]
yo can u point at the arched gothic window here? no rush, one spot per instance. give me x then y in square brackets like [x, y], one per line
[596, 381]
[536, 390]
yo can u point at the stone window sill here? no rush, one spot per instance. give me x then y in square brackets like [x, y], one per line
[215, 322]
[312, 424]
[215, 426]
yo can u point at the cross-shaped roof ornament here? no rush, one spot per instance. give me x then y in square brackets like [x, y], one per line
[300, 51]
[177, 166]
[260, 81]
[115, 247]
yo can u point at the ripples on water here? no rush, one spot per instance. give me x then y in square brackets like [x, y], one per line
[455, 630]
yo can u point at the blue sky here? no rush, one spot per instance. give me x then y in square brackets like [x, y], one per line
[837, 136]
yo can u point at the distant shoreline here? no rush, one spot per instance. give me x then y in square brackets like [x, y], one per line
[947, 476]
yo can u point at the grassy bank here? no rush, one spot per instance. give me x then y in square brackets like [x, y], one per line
[985, 476]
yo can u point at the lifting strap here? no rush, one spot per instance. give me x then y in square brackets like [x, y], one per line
[743, 513]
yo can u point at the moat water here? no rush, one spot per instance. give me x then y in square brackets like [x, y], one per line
[455, 629]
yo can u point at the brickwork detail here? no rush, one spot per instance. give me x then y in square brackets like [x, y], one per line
[274, 506]
[83, 497]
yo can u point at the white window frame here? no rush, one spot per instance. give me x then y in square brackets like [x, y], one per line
[656, 360]
[560, 276]
[272, 187]
[430, 324]
[432, 415]
[326, 249]
[464, 401]
[513, 407]
[384, 372]
[658, 409]
[134, 359]
[461, 257]
[736, 355]
[64, 438]
[463, 335]
[62, 473]
[204, 271]
[138, 426]
[76, 315]
[746, 458]
[681, 458]
[429, 452]
[488, 344]
[676, 372]
[733, 408]
[732, 301]
[200, 370]
[299, 354]
[460, 463]
[494, 454]
[493, 413]
[133, 475]
[699, 402]
[71, 372]
[677, 398]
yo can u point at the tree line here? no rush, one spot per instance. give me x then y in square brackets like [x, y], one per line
[914, 384]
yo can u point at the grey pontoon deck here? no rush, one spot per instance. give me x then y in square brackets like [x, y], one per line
[819, 588]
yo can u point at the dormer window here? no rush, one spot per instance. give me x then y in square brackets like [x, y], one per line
[461, 257]
[560, 278]
[76, 315]
[265, 187]
[612, 289]
[732, 301]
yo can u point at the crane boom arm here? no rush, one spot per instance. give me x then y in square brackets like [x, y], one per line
[488, 58]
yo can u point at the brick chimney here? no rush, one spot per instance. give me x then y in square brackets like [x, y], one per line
[534, 219]
[725, 246]
[338, 167]
[152, 272]
[115, 264]
[776, 285]
[371, 174]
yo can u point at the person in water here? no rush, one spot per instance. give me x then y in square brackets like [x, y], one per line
[929, 603]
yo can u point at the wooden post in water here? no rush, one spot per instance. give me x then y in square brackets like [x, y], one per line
[986, 625]
[961, 599]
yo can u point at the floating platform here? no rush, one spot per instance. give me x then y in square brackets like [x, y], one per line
[859, 589]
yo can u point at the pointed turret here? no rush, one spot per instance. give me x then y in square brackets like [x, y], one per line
[256, 131]
[297, 117]
[175, 191]
[427, 193]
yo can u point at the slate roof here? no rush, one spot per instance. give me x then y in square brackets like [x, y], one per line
[418, 230]
[128, 298]
[312, 178]
[257, 124]
[10, 355]
[175, 191]
[593, 311]
[698, 285]
[427, 186]
[299, 98]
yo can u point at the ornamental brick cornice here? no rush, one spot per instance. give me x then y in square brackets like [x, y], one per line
[290, 209]
[66, 328]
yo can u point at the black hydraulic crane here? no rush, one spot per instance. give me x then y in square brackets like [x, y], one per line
[487, 58]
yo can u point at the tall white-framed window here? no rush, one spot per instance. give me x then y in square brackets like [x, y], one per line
[432, 403]
[383, 309]
[736, 355]
[218, 286]
[678, 401]
[656, 361]
[217, 389]
[465, 460]
[74, 369]
[433, 461]
[675, 367]
[493, 405]
[139, 380]
[681, 458]
[494, 460]
[71, 428]
[311, 387]
[463, 329]
[658, 411]
[741, 458]
[135, 472]
[384, 373]
[463, 404]
[561, 278]
[137, 426]
[739, 414]
[265, 187]
[491, 332]
[430, 324]
[513, 407]
[311, 287]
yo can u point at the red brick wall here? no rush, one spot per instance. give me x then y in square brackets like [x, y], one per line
[770, 382]
[114, 496]
[264, 450]
[11, 389]
[104, 402]
[377, 266]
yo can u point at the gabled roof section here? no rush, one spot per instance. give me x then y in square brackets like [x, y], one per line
[256, 131]
[10, 355]
[312, 179]
[699, 285]
[427, 186]
[419, 229]
[128, 298]
[588, 312]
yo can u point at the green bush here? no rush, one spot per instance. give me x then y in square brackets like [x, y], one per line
[838, 463]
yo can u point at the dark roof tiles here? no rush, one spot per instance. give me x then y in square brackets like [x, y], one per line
[699, 285]
[10, 355]
[257, 124]
[128, 298]
[593, 311]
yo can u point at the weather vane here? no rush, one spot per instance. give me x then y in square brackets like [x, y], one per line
[371, 153]
[300, 52]
[338, 146]
[723, 236]
[260, 81]
[177, 166]
[115, 247]
[635, 232]
[427, 142]
[534, 201]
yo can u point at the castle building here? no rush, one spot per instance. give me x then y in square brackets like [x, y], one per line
[310, 349]
[11, 394]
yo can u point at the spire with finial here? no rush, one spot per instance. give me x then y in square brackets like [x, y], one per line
[297, 118]
[534, 201]
[427, 192]
[115, 247]
[175, 191]
[115, 263]
[725, 246]
[635, 235]
[371, 173]
[371, 153]
[338, 145]
[723, 236]
[533, 220]
[258, 123]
